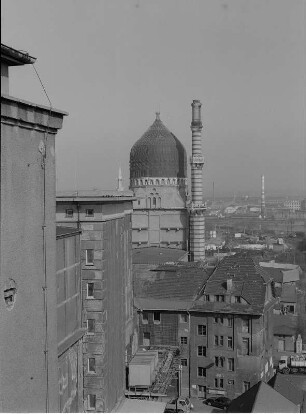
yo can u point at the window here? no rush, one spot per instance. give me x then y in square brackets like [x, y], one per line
[154, 202]
[231, 382]
[91, 399]
[89, 256]
[230, 364]
[237, 299]
[207, 297]
[245, 325]
[156, 317]
[246, 386]
[219, 382]
[219, 362]
[230, 321]
[245, 346]
[202, 330]
[145, 317]
[230, 342]
[201, 372]
[90, 212]
[183, 317]
[184, 362]
[69, 212]
[90, 290]
[201, 350]
[219, 298]
[91, 326]
[184, 340]
[218, 340]
[91, 364]
[219, 319]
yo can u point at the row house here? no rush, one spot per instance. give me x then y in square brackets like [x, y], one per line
[221, 321]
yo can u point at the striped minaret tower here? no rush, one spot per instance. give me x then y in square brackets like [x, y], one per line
[197, 207]
[263, 203]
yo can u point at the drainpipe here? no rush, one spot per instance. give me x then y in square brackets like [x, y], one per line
[189, 353]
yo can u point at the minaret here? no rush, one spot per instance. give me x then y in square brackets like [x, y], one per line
[197, 207]
[263, 204]
[120, 181]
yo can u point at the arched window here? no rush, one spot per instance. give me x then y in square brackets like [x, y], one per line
[154, 202]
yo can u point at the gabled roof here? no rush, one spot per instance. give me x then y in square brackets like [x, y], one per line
[249, 280]
[284, 385]
[262, 398]
[177, 282]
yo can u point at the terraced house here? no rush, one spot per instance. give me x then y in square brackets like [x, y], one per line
[222, 321]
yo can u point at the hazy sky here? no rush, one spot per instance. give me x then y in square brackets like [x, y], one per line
[111, 64]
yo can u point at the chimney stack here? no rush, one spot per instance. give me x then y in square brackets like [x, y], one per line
[197, 207]
[263, 204]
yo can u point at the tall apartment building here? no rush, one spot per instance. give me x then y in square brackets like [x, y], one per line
[110, 339]
[69, 320]
[222, 323]
[28, 318]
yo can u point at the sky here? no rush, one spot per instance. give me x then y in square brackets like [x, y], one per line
[111, 64]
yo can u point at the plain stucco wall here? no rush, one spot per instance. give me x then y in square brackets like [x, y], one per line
[23, 378]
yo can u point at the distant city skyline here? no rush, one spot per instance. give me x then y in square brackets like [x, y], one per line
[113, 64]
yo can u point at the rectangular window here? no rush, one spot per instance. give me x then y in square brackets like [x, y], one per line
[184, 362]
[245, 346]
[156, 317]
[183, 317]
[201, 350]
[230, 321]
[184, 340]
[201, 372]
[145, 317]
[89, 256]
[221, 340]
[207, 297]
[221, 383]
[91, 364]
[202, 330]
[219, 362]
[237, 299]
[90, 290]
[219, 298]
[216, 383]
[246, 386]
[91, 325]
[230, 364]
[90, 212]
[216, 340]
[91, 399]
[230, 342]
[245, 325]
[69, 212]
[216, 319]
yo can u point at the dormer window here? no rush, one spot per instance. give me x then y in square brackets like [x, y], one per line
[237, 299]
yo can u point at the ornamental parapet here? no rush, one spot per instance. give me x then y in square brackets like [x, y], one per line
[157, 181]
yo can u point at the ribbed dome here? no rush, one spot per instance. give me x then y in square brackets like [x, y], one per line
[158, 153]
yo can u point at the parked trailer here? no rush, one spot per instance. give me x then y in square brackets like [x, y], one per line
[293, 364]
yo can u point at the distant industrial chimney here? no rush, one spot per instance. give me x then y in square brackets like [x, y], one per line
[120, 181]
[263, 203]
[197, 207]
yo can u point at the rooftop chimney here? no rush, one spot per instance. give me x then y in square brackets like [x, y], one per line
[197, 207]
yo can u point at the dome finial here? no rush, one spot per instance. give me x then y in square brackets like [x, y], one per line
[157, 116]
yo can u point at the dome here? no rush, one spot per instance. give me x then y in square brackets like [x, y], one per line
[158, 153]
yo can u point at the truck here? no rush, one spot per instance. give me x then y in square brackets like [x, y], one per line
[293, 364]
[179, 405]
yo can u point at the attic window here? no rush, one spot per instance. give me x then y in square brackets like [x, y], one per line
[237, 299]
[156, 317]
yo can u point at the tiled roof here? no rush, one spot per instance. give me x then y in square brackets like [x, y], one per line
[248, 280]
[176, 282]
[157, 255]
[289, 294]
[158, 153]
[284, 385]
[285, 324]
[262, 398]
